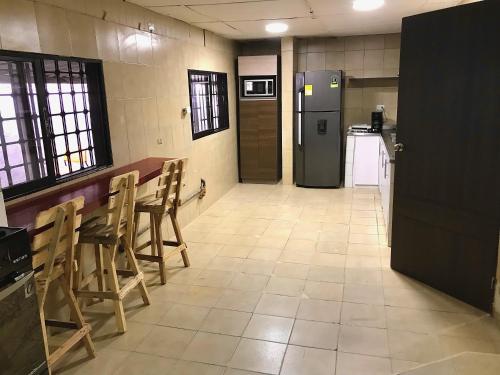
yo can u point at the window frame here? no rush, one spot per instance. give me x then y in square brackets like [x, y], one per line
[100, 125]
[223, 111]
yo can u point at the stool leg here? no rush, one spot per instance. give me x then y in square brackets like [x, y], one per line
[79, 274]
[178, 236]
[77, 314]
[99, 269]
[158, 218]
[132, 261]
[115, 287]
[137, 216]
[152, 231]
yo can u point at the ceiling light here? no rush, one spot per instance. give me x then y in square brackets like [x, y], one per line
[276, 27]
[366, 5]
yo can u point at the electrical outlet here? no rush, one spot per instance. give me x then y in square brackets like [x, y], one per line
[159, 141]
[380, 107]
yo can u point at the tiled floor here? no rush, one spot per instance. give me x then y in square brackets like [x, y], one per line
[286, 281]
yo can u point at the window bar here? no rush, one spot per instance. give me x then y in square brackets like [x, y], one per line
[75, 117]
[2, 138]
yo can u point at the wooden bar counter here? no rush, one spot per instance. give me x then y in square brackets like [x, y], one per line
[94, 189]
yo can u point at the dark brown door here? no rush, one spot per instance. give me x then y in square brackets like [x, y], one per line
[447, 178]
[259, 141]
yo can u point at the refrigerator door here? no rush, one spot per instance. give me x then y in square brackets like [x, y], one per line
[322, 149]
[322, 91]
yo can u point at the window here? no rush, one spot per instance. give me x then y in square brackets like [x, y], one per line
[208, 93]
[67, 137]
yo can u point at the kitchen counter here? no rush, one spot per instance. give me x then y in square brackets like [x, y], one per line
[386, 137]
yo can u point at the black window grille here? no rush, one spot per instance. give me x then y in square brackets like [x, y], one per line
[209, 105]
[68, 137]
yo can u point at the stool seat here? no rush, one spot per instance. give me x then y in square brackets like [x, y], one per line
[98, 232]
[153, 204]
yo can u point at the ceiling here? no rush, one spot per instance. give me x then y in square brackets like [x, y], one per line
[246, 19]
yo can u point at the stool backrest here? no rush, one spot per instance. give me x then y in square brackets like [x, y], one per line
[170, 182]
[56, 241]
[121, 203]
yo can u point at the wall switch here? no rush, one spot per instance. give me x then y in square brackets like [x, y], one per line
[380, 107]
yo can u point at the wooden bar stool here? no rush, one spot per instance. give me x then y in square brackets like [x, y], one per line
[165, 201]
[107, 233]
[53, 261]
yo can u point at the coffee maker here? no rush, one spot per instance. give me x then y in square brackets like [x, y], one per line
[377, 121]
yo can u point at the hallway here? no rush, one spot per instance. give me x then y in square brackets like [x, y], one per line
[288, 281]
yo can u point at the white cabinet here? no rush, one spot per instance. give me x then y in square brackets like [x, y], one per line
[366, 158]
[386, 187]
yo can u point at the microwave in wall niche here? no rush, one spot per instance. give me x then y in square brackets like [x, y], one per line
[258, 87]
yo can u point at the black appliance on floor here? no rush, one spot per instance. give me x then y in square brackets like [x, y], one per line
[22, 350]
[317, 128]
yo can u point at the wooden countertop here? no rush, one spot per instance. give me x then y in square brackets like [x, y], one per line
[94, 189]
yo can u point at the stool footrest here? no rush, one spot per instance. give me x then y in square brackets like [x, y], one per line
[60, 324]
[69, 343]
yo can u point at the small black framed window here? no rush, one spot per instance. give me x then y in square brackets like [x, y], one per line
[209, 105]
[53, 120]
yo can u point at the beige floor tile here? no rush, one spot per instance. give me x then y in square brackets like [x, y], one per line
[225, 264]
[272, 304]
[151, 314]
[363, 276]
[361, 249]
[363, 229]
[319, 310]
[214, 278]
[249, 282]
[269, 328]
[324, 273]
[239, 300]
[185, 316]
[106, 335]
[301, 245]
[304, 234]
[291, 270]
[300, 361]
[415, 347]
[200, 296]
[296, 257]
[315, 334]
[79, 363]
[363, 340]
[327, 259]
[285, 286]
[258, 356]
[272, 242]
[258, 267]
[138, 363]
[235, 251]
[363, 261]
[265, 253]
[355, 364]
[211, 348]
[166, 342]
[399, 366]
[183, 275]
[323, 290]
[226, 322]
[195, 368]
[355, 220]
[332, 247]
[363, 315]
[369, 294]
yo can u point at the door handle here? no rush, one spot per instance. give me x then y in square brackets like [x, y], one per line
[299, 129]
[399, 147]
[322, 125]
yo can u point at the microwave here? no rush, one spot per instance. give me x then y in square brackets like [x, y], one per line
[253, 87]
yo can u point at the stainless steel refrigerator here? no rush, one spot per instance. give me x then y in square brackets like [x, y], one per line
[317, 128]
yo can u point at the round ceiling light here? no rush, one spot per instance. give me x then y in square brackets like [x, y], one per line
[367, 5]
[276, 27]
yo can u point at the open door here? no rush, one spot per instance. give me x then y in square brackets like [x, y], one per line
[447, 178]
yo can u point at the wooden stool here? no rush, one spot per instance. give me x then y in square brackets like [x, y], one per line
[164, 201]
[106, 234]
[53, 260]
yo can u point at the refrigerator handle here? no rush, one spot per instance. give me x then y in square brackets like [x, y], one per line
[299, 119]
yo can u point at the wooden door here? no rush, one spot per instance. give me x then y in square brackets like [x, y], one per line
[259, 141]
[446, 193]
